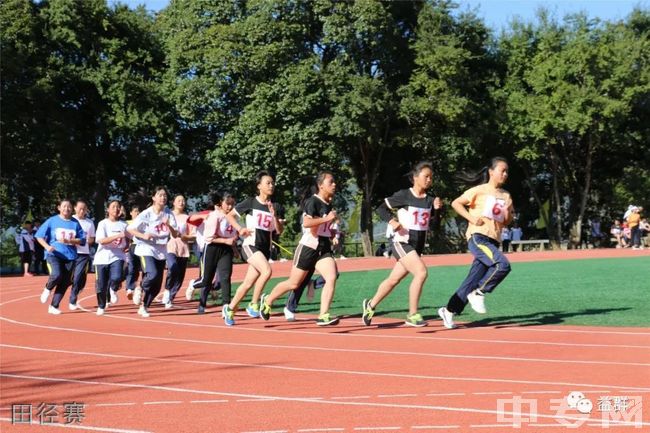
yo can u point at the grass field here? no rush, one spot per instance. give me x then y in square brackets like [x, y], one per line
[605, 292]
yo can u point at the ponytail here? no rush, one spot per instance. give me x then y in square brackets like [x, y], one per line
[473, 178]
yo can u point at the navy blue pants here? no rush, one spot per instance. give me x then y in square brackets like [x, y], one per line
[152, 270]
[133, 270]
[176, 267]
[79, 278]
[489, 268]
[216, 259]
[107, 276]
[294, 296]
[60, 277]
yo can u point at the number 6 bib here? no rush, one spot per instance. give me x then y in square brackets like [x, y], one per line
[494, 208]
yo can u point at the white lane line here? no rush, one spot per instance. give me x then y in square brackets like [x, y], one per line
[82, 427]
[580, 331]
[163, 402]
[352, 397]
[330, 349]
[432, 427]
[445, 394]
[376, 428]
[308, 430]
[396, 395]
[258, 399]
[492, 393]
[368, 335]
[350, 372]
[209, 401]
[303, 400]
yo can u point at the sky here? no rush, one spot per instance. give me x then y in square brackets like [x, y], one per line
[498, 13]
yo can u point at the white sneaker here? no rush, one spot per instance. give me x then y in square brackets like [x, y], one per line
[289, 315]
[477, 301]
[100, 311]
[45, 295]
[143, 311]
[447, 318]
[73, 307]
[137, 295]
[189, 292]
[114, 297]
[165, 297]
[169, 305]
[53, 310]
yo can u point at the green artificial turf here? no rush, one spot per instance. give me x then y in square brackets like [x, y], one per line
[596, 292]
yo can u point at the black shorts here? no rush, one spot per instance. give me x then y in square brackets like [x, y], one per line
[26, 257]
[401, 249]
[247, 252]
[305, 258]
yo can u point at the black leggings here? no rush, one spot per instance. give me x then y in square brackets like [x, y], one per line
[216, 258]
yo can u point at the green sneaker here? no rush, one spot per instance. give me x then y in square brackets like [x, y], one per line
[253, 310]
[415, 320]
[367, 312]
[265, 309]
[325, 319]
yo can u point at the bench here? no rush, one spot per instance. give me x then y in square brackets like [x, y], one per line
[540, 242]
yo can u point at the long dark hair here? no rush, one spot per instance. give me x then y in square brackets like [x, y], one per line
[310, 186]
[473, 178]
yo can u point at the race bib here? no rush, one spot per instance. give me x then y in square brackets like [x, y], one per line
[325, 229]
[494, 208]
[61, 233]
[160, 232]
[261, 220]
[414, 218]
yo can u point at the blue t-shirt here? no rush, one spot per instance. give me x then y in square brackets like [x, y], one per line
[56, 228]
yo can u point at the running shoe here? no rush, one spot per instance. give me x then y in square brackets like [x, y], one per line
[114, 297]
[368, 312]
[189, 292]
[137, 295]
[415, 320]
[289, 315]
[477, 301]
[326, 319]
[53, 310]
[143, 311]
[447, 318]
[253, 310]
[228, 315]
[265, 309]
[45, 295]
[100, 311]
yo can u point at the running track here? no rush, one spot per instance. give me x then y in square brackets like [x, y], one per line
[180, 372]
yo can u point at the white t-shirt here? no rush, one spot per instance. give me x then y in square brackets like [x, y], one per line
[108, 253]
[88, 226]
[150, 222]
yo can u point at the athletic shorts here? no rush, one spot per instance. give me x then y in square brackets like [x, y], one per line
[247, 252]
[305, 258]
[26, 257]
[401, 249]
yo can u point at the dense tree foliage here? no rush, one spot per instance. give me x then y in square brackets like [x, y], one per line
[98, 101]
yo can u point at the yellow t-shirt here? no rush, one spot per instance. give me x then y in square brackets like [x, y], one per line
[633, 219]
[489, 203]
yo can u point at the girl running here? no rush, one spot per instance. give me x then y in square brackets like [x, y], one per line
[110, 255]
[59, 236]
[409, 212]
[261, 222]
[314, 252]
[178, 253]
[82, 261]
[153, 228]
[488, 208]
[133, 268]
[218, 252]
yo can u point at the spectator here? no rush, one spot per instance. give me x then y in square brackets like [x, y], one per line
[645, 232]
[617, 232]
[39, 265]
[381, 250]
[506, 235]
[596, 234]
[25, 241]
[633, 220]
[515, 235]
[627, 234]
